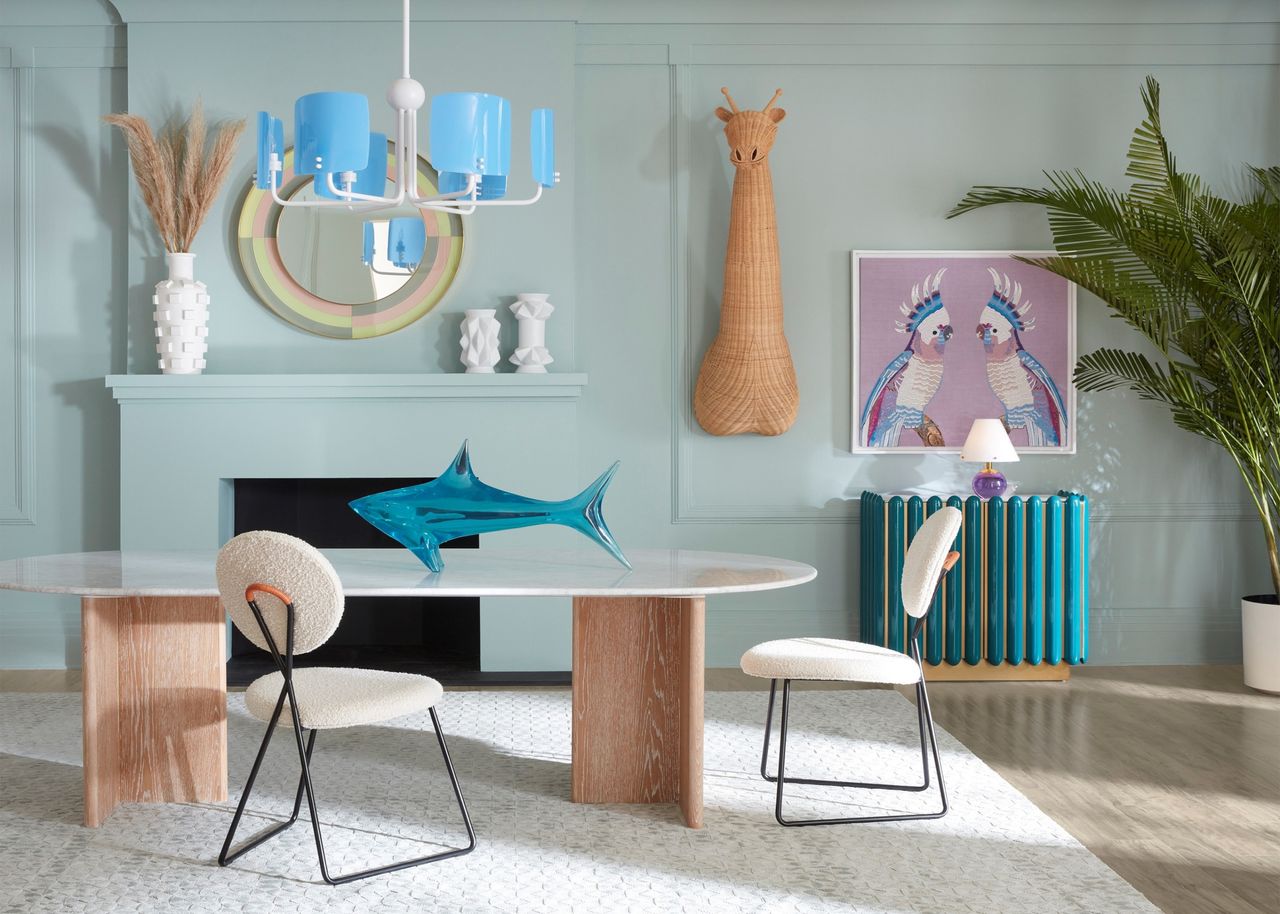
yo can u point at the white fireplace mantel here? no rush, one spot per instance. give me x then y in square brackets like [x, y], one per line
[363, 386]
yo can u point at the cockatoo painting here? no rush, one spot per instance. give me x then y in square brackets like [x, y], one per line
[899, 397]
[918, 385]
[1026, 391]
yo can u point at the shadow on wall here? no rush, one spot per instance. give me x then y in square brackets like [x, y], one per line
[100, 311]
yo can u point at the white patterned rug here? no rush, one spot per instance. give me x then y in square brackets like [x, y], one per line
[382, 792]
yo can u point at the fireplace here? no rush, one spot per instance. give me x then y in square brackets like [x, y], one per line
[435, 636]
[186, 441]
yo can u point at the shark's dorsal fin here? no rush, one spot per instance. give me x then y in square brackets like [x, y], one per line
[462, 464]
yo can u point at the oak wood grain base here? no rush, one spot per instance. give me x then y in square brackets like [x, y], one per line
[155, 702]
[638, 668]
[998, 672]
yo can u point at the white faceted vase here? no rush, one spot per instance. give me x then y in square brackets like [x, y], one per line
[480, 340]
[182, 317]
[532, 310]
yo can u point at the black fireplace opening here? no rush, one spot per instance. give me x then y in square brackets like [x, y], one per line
[432, 636]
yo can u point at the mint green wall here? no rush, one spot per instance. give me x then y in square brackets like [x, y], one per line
[894, 109]
[63, 248]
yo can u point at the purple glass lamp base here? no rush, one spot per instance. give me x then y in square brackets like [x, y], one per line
[989, 483]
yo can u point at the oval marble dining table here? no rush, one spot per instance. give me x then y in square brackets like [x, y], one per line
[154, 634]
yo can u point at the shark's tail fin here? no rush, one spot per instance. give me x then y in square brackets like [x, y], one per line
[587, 515]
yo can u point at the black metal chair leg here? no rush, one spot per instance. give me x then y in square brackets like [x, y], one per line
[820, 782]
[390, 867]
[226, 856]
[928, 740]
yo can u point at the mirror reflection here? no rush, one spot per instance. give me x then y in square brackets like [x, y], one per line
[352, 258]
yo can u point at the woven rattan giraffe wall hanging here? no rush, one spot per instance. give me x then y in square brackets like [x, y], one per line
[747, 382]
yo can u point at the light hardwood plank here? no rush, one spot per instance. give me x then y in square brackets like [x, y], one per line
[100, 643]
[155, 702]
[637, 701]
[692, 688]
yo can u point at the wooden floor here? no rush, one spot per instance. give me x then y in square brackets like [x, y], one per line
[1171, 775]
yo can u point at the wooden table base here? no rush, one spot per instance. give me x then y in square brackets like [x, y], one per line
[155, 702]
[637, 701]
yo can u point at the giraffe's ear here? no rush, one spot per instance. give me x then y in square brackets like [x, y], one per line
[776, 114]
[724, 114]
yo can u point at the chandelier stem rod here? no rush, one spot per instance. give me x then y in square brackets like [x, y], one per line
[404, 41]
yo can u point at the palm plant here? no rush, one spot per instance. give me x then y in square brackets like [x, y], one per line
[1198, 276]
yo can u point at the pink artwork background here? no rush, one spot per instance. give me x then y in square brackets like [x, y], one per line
[884, 283]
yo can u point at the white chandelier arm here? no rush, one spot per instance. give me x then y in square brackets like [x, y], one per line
[360, 205]
[361, 198]
[471, 205]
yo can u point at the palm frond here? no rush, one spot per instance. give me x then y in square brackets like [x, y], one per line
[1198, 275]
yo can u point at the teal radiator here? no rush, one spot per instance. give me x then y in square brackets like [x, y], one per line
[1018, 595]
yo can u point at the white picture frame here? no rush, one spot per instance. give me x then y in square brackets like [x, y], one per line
[1057, 347]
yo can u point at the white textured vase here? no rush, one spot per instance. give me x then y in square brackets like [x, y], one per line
[182, 317]
[532, 310]
[480, 340]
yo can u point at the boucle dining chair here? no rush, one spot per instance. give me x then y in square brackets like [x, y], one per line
[285, 597]
[928, 560]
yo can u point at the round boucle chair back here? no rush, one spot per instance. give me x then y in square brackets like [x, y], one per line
[923, 565]
[288, 564]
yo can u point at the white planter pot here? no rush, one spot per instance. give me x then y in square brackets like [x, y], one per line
[1260, 622]
[182, 317]
[532, 310]
[480, 340]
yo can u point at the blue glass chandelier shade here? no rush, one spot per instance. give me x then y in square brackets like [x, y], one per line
[370, 180]
[470, 135]
[331, 132]
[458, 504]
[542, 146]
[406, 242]
[491, 187]
[270, 142]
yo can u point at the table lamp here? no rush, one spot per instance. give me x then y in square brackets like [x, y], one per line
[988, 443]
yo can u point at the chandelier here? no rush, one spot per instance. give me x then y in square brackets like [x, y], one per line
[470, 148]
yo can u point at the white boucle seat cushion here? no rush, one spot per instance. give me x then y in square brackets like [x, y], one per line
[330, 697]
[830, 659]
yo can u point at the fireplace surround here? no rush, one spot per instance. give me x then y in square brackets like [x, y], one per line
[186, 441]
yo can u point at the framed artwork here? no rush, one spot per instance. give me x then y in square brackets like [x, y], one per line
[941, 338]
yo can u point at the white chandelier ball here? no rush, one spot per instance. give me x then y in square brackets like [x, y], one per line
[406, 94]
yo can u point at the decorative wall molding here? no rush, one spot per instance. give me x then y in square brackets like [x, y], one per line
[846, 512]
[51, 46]
[20, 507]
[720, 14]
[134, 388]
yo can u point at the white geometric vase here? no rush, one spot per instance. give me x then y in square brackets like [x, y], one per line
[532, 310]
[480, 340]
[182, 317]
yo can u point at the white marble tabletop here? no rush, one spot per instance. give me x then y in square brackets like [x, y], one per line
[397, 573]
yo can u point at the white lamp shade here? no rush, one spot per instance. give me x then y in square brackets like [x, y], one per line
[988, 442]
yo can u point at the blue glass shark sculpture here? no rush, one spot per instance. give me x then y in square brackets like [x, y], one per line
[457, 504]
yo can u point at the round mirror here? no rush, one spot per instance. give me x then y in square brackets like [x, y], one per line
[345, 273]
